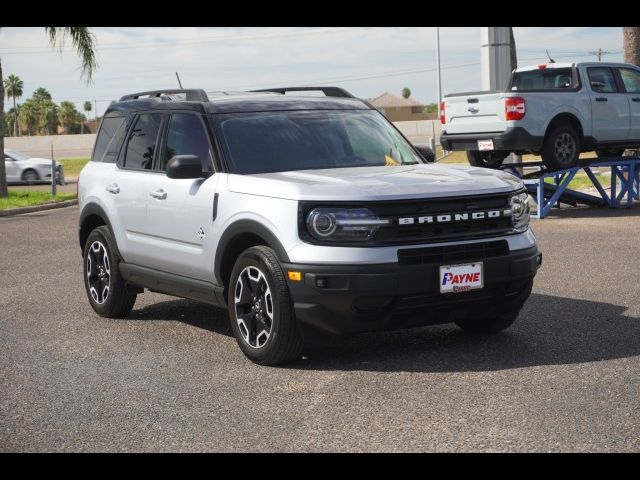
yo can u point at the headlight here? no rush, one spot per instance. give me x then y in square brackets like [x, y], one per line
[520, 211]
[343, 224]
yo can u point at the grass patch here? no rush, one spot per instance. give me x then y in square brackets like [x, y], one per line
[582, 182]
[72, 166]
[22, 198]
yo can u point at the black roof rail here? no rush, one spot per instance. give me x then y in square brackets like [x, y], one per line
[192, 95]
[328, 91]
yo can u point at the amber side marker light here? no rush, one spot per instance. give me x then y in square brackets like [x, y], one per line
[295, 276]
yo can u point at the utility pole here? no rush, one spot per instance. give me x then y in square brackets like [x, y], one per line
[599, 53]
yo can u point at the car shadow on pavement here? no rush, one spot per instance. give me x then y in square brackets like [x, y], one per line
[549, 331]
[190, 312]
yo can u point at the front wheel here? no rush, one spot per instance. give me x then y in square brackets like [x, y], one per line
[261, 310]
[491, 159]
[30, 177]
[561, 148]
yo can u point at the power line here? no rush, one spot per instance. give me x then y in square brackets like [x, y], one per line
[599, 53]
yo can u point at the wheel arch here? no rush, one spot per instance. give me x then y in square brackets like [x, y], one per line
[562, 118]
[91, 217]
[239, 236]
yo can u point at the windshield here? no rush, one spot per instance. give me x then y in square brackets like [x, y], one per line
[262, 142]
[542, 79]
[16, 155]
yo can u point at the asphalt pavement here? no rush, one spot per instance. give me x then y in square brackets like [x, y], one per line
[564, 377]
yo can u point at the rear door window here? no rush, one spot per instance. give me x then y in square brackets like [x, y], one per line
[142, 140]
[602, 80]
[630, 79]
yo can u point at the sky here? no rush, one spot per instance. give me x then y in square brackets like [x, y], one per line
[365, 61]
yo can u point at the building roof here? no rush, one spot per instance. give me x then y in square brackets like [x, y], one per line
[388, 100]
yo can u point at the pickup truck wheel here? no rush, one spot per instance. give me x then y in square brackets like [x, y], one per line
[561, 148]
[486, 159]
[610, 152]
[489, 325]
[108, 293]
[261, 310]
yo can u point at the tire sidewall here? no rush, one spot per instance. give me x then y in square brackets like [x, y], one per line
[35, 178]
[476, 159]
[254, 258]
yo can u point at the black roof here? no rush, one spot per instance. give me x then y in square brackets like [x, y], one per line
[234, 102]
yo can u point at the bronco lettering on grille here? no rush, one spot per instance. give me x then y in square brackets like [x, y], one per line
[454, 217]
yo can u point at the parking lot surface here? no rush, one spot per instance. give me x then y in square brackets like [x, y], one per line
[564, 377]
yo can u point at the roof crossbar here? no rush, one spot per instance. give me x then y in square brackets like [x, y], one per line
[328, 91]
[192, 95]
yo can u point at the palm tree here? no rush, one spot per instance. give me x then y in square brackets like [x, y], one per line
[406, 92]
[85, 44]
[631, 39]
[87, 108]
[13, 88]
[41, 94]
[67, 114]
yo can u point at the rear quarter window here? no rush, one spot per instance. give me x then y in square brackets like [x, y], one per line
[109, 139]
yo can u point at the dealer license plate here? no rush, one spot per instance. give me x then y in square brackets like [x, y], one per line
[461, 278]
[485, 145]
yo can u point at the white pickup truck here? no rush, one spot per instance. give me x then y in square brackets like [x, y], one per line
[556, 110]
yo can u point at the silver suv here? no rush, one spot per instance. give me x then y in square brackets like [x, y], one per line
[303, 215]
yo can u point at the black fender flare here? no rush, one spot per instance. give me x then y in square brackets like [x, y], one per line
[95, 209]
[246, 226]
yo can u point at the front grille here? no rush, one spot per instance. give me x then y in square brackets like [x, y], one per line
[453, 253]
[438, 232]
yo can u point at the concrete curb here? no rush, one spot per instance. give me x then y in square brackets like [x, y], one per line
[37, 208]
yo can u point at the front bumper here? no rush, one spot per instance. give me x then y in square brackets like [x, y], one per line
[512, 139]
[345, 299]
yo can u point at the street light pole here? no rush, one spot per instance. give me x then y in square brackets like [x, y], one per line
[438, 66]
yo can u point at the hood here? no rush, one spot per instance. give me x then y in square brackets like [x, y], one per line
[376, 183]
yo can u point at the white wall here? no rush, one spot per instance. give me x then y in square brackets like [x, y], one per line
[69, 146]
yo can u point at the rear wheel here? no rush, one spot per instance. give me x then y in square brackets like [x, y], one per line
[610, 152]
[561, 148]
[30, 176]
[486, 159]
[108, 293]
[261, 310]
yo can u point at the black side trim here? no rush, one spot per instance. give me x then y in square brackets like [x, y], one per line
[247, 226]
[172, 284]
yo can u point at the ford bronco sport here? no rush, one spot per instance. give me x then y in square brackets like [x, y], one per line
[300, 214]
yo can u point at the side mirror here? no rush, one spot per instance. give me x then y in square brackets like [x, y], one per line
[426, 152]
[185, 166]
[597, 85]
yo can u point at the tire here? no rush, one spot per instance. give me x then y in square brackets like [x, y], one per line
[561, 148]
[261, 310]
[486, 159]
[101, 272]
[610, 152]
[489, 325]
[30, 176]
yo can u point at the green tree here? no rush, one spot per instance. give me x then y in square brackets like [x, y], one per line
[431, 108]
[84, 42]
[87, 108]
[406, 92]
[67, 114]
[13, 89]
[28, 116]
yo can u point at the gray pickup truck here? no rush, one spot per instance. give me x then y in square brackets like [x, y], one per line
[555, 110]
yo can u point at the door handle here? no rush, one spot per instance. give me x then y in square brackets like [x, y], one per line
[601, 99]
[113, 188]
[635, 99]
[159, 194]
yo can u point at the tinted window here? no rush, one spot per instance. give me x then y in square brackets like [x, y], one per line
[631, 80]
[112, 129]
[542, 79]
[186, 137]
[142, 141]
[601, 80]
[264, 142]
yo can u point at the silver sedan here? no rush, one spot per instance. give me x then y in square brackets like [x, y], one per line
[21, 168]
